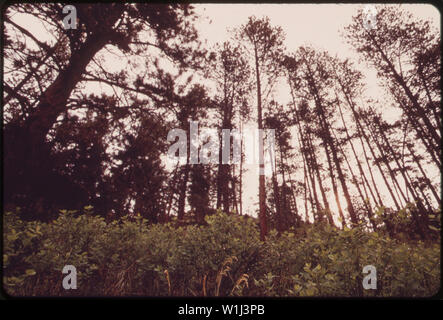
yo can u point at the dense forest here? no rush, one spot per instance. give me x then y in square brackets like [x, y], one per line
[352, 180]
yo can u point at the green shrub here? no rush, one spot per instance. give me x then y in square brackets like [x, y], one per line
[224, 257]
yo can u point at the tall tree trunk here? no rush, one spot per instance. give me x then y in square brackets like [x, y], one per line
[361, 133]
[234, 191]
[184, 184]
[182, 196]
[320, 182]
[328, 140]
[241, 168]
[173, 189]
[293, 196]
[333, 182]
[278, 207]
[357, 160]
[405, 178]
[262, 188]
[307, 187]
[356, 183]
[415, 215]
[305, 145]
[384, 159]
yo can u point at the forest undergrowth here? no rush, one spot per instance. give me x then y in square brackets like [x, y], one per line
[223, 257]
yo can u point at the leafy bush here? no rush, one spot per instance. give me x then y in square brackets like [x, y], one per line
[224, 257]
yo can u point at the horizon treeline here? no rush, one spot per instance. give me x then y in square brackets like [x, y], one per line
[338, 160]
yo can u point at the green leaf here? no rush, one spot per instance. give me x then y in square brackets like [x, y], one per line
[317, 268]
[30, 272]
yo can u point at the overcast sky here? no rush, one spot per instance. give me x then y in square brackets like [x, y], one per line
[318, 25]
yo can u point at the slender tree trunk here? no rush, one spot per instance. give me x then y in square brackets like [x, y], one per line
[384, 159]
[406, 179]
[309, 163]
[184, 186]
[294, 198]
[328, 140]
[241, 169]
[306, 185]
[219, 178]
[262, 188]
[415, 215]
[173, 190]
[307, 150]
[356, 183]
[362, 133]
[234, 191]
[182, 195]
[320, 184]
[334, 184]
[360, 168]
[341, 177]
